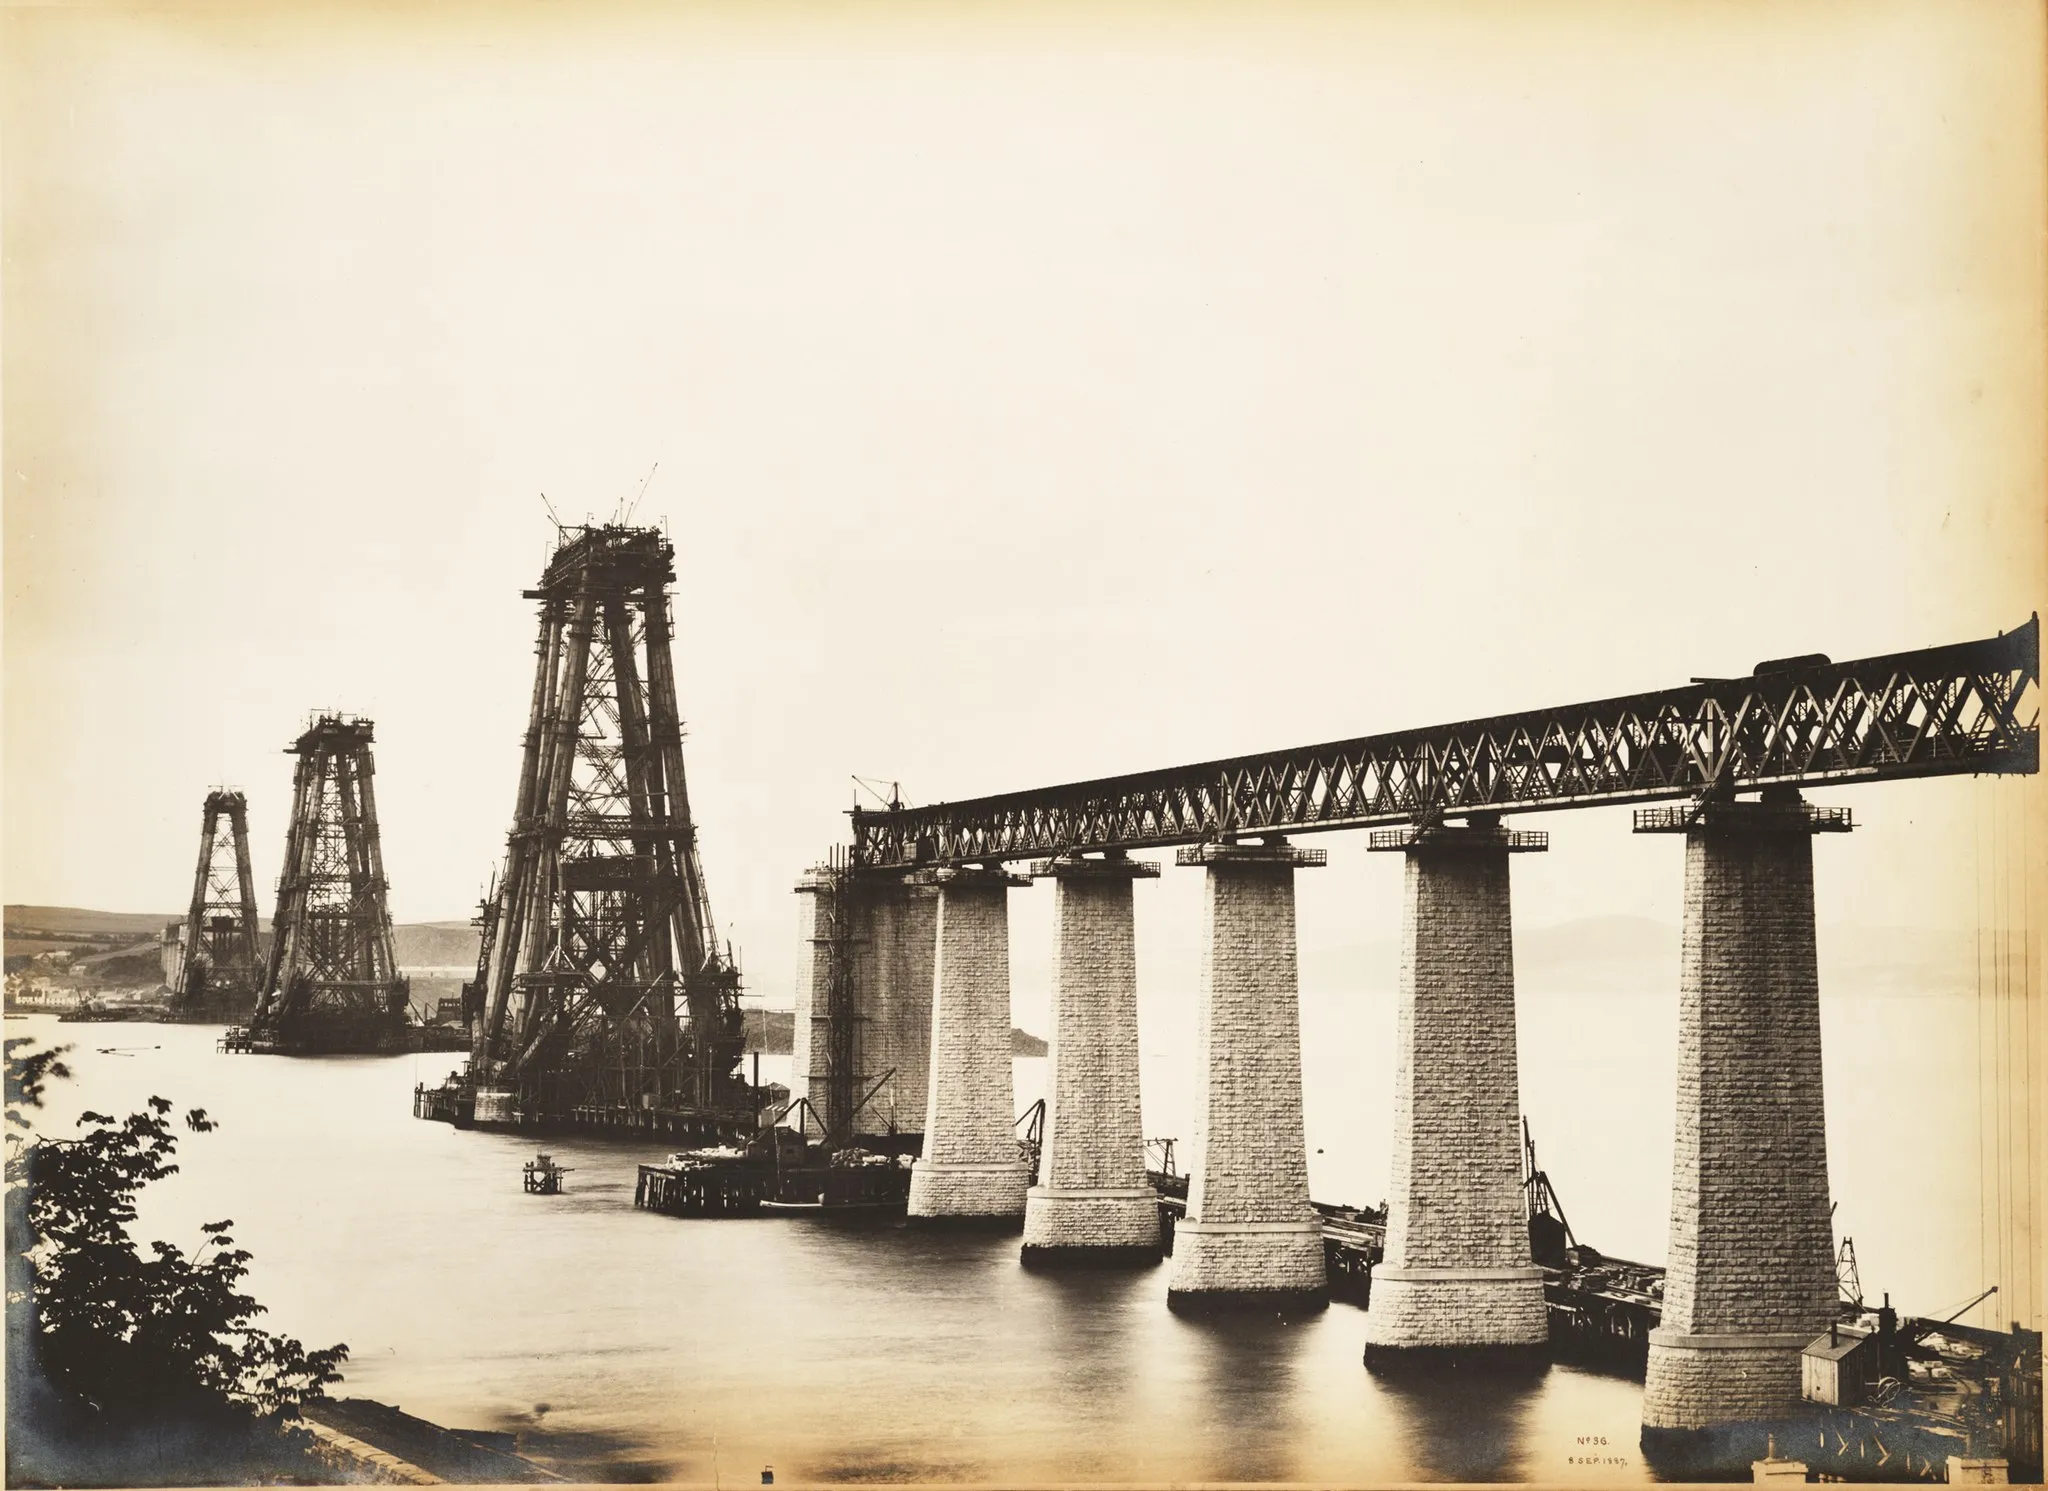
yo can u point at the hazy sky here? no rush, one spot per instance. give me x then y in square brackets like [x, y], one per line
[1037, 392]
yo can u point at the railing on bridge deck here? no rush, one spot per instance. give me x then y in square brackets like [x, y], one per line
[1933, 712]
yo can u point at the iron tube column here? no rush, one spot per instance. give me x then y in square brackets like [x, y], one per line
[1751, 1261]
[971, 1166]
[1250, 1236]
[1092, 1203]
[1457, 1274]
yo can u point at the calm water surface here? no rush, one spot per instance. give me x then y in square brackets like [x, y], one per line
[625, 1345]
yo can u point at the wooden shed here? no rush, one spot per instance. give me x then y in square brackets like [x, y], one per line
[1837, 1368]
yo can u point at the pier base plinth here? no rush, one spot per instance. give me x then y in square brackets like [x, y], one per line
[1072, 1226]
[1694, 1381]
[494, 1105]
[1474, 1311]
[983, 1194]
[1247, 1265]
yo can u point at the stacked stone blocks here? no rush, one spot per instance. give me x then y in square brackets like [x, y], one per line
[971, 1166]
[1456, 1274]
[1249, 1233]
[897, 929]
[1093, 1202]
[1751, 1275]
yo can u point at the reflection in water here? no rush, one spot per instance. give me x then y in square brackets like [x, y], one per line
[1247, 1367]
[1465, 1421]
[1081, 1324]
[621, 1345]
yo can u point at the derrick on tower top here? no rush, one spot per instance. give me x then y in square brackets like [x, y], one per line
[607, 557]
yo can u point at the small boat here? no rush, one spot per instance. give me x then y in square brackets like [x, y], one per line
[821, 1208]
[543, 1176]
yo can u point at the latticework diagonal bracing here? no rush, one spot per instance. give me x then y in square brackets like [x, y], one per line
[332, 981]
[1968, 707]
[221, 971]
[601, 984]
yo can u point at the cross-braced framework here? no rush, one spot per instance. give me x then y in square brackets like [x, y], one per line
[836, 1084]
[603, 984]
[221, 971]
[1967, 707]
[332, 981]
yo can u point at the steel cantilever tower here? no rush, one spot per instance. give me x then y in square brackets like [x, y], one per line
[332, 983]
[604, 992]
[221, 970]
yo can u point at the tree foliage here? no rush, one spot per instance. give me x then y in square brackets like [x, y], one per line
[125, 1347]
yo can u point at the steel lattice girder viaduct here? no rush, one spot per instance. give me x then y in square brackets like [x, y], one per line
[1803, 721]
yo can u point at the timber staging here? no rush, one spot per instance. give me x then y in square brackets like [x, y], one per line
[454, 1102]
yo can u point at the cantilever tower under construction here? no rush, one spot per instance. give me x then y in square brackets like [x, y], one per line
[220, 970]
[602, 994]
[332, 982]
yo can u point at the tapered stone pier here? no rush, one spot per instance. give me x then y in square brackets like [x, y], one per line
[1456, 1276]
[893, 976]
[1751, 1273]
[1092, 1203]
[885, 931]
[971, 1168]
[1250, 1236]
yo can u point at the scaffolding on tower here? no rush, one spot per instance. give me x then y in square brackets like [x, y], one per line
[603, 997]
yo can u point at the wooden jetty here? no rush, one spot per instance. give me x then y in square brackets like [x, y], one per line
[776, 1175]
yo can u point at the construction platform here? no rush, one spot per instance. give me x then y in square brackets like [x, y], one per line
[776, 1178]
[454, 1102]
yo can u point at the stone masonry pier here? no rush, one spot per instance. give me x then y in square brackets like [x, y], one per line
[1456, 1275]
[1093, 1203]
[898, 933]
[1751, 1261]
[1250, 1236]
[971, 1167]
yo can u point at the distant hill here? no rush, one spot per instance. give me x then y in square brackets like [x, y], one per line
[41, 929]
[773, 1033]
[1626, 954]
[436, 944]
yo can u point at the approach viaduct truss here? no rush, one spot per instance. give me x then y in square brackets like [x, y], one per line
[1751, 1283]
[1966, 707]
